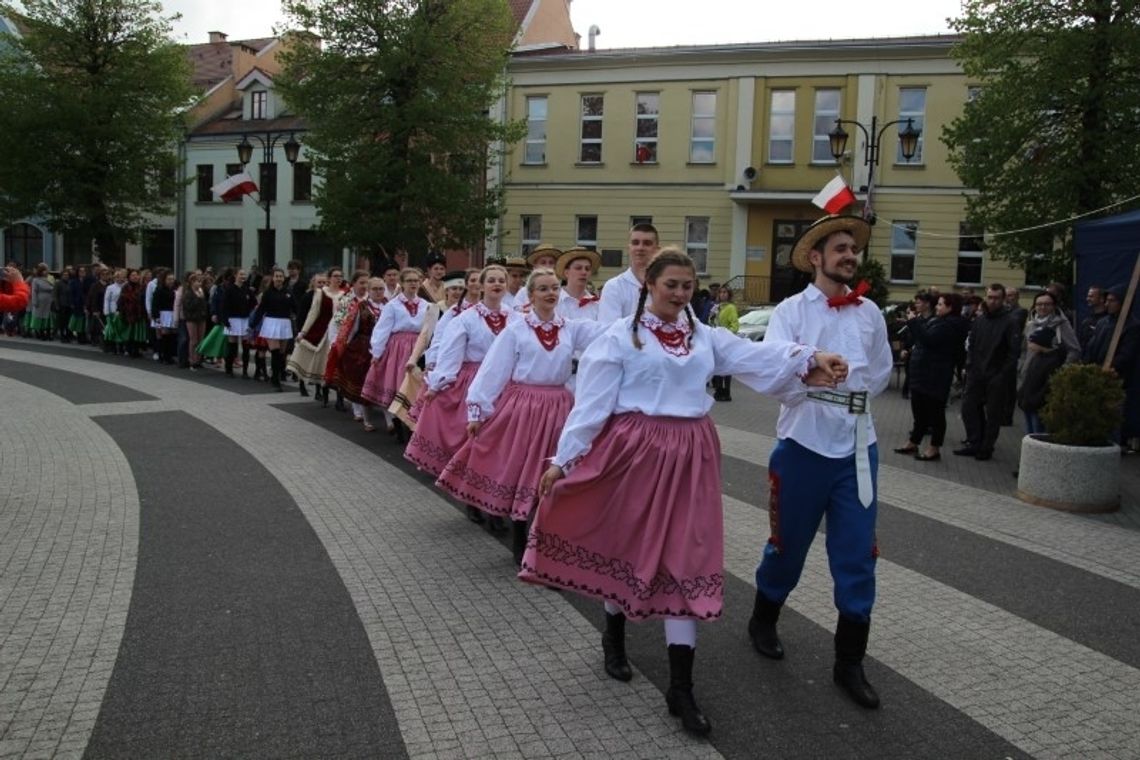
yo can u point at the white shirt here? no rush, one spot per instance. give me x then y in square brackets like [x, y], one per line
[149, 296]
[518, 355]
[395, 318]
[859, 335]
[570, 307]
[521, 299]
[615, 377]
[111, 298]
[619, 297]
[445, 316]
[467, 338]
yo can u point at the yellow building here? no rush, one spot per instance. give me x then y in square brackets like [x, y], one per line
[723, 148]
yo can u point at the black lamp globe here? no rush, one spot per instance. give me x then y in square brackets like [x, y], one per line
[245, 151]
[908, 140]
[838, 139]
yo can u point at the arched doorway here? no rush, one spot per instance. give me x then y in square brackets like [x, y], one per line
[24, 245]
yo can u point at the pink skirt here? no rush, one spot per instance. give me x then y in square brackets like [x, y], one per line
[638, 522]
[498, 470]
[384, 377]
[442, 425]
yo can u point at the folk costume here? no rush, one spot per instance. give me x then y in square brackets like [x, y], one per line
[134, 317]
[162, 315]
[115, 330]
[237, 303]
[311, 347]
[825, 462]
[442, 424]
[618, 298]
[410, 400]
[355, 354]
[277, 309]
[344, 303]
[391, 343]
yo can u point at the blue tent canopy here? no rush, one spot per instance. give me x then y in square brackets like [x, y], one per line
[1105, 251]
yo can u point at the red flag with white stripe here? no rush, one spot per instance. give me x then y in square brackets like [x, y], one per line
[234, 187]
[835, 196]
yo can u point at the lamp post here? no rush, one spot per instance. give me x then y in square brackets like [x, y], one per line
[873, 139]
[266, 249]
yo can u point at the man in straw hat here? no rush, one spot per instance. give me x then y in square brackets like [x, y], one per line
[574, 268]
[619, 295]
[825, 460]
[517, 271]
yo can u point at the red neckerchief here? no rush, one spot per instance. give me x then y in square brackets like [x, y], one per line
[672, 337]
[851, 297]
[586, 300]
[411, 306]
[496, 320]
[546, 332]
[373, 307]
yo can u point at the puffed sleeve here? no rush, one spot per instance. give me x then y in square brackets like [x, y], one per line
[609, 304]
[769, 366]
[452, 349]
[880, 361]
[780, 330]
[431, 355]
[494, 373]
[596, 391]
[382, 331]
[585, 332]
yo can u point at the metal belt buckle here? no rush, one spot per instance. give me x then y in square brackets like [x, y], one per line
[857, 402]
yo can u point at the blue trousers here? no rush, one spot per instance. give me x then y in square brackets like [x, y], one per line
[804, 487]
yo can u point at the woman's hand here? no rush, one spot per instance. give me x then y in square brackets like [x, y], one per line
[375, 361]
[552, 475]
[830, 370]
[473, 428]
[409, 366]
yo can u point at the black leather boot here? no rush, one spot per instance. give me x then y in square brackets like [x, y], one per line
[762, 628]
[231, 352]
[613, 648]
[259, 372]
[679, 698]
[474, 514]
[339, 405]
[518, 543]
[245, 362]
[850, 647]
[727, 388]
[301, 385]
[276, 360]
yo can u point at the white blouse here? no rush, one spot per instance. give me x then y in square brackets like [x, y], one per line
[619, 297]
[395, 318]
[432, 353]
[467, 338]
[570, 307]
[111, 298]
[519, 355]
[615, 377]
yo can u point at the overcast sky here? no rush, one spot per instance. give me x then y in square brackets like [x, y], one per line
[645, 23]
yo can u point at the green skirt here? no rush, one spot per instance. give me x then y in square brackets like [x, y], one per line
[77, 323]
[42, 323]
[136, 332]
[115, 330]
[28, 320]
[214, 344]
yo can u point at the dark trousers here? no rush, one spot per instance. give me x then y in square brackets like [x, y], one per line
[929, 414]
[983, 410]
[183, 345]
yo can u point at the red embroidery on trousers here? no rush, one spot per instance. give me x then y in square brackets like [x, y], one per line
[774, 510]
[875, 546]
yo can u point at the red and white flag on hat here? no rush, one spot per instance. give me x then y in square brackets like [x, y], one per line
[234, 187]
[835, 196]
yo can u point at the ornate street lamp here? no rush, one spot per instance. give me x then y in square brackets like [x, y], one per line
[908, 139]
[245, 154]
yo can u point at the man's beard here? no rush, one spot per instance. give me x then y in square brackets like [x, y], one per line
[837, 277]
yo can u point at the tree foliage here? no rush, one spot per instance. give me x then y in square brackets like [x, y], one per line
[397, 103]
[91, 100]
[1052, 132]
[873, 271]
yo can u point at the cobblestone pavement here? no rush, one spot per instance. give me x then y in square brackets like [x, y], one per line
[1001, 630]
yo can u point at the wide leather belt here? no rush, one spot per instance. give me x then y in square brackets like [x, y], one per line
[857, 403]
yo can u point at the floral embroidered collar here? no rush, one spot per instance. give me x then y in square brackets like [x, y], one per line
[496, 320]
[673, 337]
[546, 332]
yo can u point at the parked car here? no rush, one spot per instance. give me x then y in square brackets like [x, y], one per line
[754, 323]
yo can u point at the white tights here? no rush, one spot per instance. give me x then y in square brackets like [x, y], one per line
[677, 631]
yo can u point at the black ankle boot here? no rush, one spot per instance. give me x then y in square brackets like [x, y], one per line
[496, 525]
[301, 385]
[275, 362]
[762, 628]
[850, 647]
[339, 405]
[231, 352]
[518, 548]
[679, 698]
[259, 368]
[245, 362]
[323, 391]
[474, 514]
[613, 648]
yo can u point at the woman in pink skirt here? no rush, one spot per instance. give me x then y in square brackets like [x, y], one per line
[520, 393]
[442, 425]
[631, 508]
[392, 339]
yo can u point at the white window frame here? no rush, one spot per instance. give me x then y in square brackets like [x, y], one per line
[254, 98]
[824, 138]
[919, 123]
[655, 117]
[698, 250]
[591, 118]
[790, 137]
[702, 117]
[592, 244]
[966, 233]
[535, 142]
[528, 244]
[911, 253]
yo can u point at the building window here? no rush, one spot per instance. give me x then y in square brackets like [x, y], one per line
[267, 187]
[826, 112]
[972, 93]
[612, 257]
[258, 105]
[590, 151]
[219, 249]
[24, 245]
[697, 242]
[302, 181]
[315, 250]
[904, 248]
[535, 151]
[912, 105]
[157, 248]
[531, 232]
[636, 220]
[645, 142]
[782, 127]
[587, 235]
[702, 144]
[970, 248]
[231, 170]
[205, 182]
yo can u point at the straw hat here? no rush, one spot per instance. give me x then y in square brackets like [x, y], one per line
[573, 254]
[857, 226]
[542, 249]
[517, 262]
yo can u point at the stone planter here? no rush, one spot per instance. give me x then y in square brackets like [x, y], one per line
[1072, 478]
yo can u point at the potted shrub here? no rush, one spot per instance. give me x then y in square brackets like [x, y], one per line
[1075, 466]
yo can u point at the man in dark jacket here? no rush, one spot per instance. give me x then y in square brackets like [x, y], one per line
[992, 355]
[1096, 349]
[1095, 300]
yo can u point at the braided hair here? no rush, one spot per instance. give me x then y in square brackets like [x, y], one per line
[670, 256]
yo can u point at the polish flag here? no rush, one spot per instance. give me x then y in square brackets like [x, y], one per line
[835, 196]
[234, 187]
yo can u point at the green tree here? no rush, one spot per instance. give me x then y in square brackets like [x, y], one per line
[397, 103]
[91, 100]
[1052, 131]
